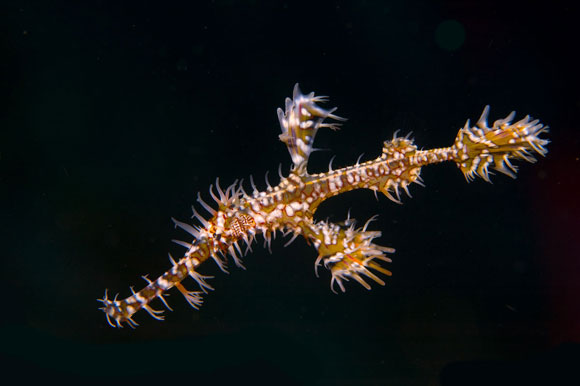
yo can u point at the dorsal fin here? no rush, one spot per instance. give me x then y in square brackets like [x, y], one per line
[299, 124]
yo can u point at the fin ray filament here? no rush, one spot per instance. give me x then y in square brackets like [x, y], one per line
[346, 251]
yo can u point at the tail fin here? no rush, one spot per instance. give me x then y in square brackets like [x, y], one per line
[480, 146]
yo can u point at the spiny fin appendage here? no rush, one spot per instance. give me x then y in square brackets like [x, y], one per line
[300, 123]
[482, 146]
[346, 251]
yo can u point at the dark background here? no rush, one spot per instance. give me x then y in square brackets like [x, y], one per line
[114, 114]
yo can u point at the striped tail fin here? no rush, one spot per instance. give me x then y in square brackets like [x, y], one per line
[482, 146]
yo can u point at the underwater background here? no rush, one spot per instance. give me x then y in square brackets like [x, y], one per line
[114, 114]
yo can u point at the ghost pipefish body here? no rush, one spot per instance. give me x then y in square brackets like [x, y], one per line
[346, 250]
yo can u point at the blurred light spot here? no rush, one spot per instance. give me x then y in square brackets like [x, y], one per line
[450, 35]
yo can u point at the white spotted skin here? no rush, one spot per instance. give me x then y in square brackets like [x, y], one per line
[347, 252]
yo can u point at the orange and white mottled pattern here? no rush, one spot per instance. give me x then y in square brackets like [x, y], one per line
[345, 250]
